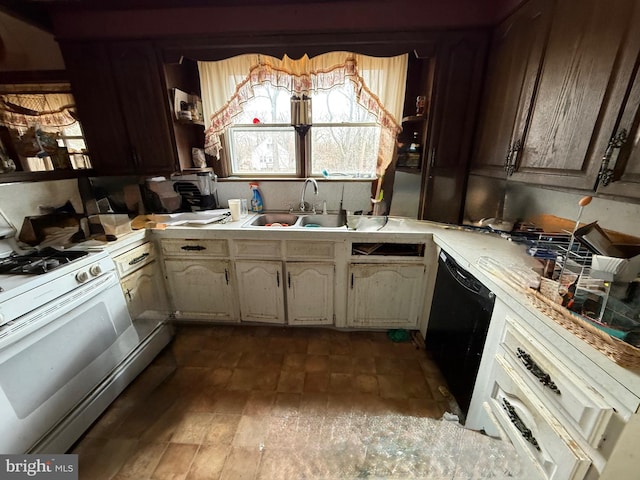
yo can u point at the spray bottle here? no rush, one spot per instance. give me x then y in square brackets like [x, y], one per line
[256, 201]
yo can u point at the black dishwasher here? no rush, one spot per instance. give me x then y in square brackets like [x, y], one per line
[458, 323]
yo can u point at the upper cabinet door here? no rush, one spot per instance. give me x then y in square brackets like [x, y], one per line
[458, 76]
[573, 115]
[514, 66]
[145, 104]
[98, 104]
[620, 169]
[123, 106]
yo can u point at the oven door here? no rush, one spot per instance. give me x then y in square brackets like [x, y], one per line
[54, 356]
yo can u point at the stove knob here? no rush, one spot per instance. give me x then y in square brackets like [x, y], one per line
[82, 277]
[95, 270]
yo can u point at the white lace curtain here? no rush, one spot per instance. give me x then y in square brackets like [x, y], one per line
[379, 82]
[24, 110]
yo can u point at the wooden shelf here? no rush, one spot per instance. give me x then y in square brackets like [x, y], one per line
[45, 175]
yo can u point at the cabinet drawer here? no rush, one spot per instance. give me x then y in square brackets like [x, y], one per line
[554, 381]
[135, 258]
[194, 246]
[257, 248]
[533, 430]
[307, 250]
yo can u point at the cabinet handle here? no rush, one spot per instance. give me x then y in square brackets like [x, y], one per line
[226, 276]
[519, 424]
[352, 281]
[190, 248]
[278, 277]
[135, 158]
[289, 279]
[138, 259]
[605, 175]
[537, 372]
[128, 294]
[512, 157]
[432, 160]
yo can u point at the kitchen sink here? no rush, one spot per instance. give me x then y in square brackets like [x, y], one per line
[323, 221]
[297, 220]
[274, 220]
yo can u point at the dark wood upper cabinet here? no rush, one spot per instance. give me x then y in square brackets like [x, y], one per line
[514, 64]
[576, 106]
[456, 91]
[123, 105]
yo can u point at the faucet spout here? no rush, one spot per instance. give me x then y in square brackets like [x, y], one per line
[303, 205]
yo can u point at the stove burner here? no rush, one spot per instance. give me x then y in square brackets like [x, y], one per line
[39, 262]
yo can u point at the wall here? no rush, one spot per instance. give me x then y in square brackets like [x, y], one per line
[522, 201]
[27, 47]
[19, 200]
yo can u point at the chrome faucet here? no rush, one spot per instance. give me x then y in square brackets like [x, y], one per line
[303, 205]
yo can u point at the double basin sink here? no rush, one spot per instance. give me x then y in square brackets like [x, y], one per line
[292, 220]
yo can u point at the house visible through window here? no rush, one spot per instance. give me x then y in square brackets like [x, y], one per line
[346, 130]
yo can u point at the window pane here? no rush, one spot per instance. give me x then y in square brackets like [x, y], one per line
[269, 105]
[264, 150]
[350, 149]
[338, 105]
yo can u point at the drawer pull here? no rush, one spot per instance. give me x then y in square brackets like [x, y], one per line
[519, 424]
[138, 259]
[190, 248]
[540, 374]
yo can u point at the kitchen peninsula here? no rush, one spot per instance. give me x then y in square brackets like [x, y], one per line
[586, 432]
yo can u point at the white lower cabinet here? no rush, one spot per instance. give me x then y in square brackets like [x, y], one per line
[310, 293]
[533, 430]
[260, 291]
[142, 292]
[201, 289]
[561, 411]
[385, 295]
[141, 282]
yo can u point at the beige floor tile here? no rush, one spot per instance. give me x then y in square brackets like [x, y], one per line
[312, 403]
[175, 462]
[363, 365]
[392, 386]
[341, 383]
[291, 382]
[143, 461]
[319, 346]
[260, 360]
[251, 432]
[254, 379]
[100, 459]
[317, 363]
[287, 404]
[259, 403]
[230, 401]
[208, 462]
[241, 464]
[218, 377]
[192, 428]
[222, 429]
[366, 383]
[340, 364]
[317, 382]
[294, 361]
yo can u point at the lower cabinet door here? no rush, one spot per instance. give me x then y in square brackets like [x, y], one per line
[310, 289]
[385, 295]
[534, 431]
[201, 289]
[142, 292]
[260, 290]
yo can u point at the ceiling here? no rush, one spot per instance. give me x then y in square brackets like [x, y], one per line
[41, 13]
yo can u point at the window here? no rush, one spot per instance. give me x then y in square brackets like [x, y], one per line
[39, 128]
[343, 138]
[350, 128]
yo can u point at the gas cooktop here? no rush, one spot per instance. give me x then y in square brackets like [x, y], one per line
[39, 262]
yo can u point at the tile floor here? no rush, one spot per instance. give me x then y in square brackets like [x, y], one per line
[268, 403]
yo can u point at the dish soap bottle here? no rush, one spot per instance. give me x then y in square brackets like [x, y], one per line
[256, 201]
